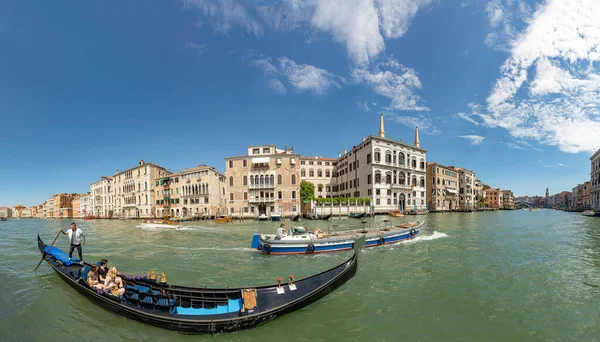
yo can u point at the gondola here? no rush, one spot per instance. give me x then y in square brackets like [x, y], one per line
[317, 217]
[357, 215]
[202, 310]
[295, 217]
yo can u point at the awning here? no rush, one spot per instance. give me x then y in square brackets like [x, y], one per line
[261, 160]
[452, 191]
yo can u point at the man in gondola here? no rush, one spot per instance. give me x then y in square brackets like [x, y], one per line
[77, 240]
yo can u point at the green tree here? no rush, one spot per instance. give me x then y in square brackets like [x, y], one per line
[307, 191]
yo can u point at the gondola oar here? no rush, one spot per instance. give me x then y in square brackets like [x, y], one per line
[44, 255]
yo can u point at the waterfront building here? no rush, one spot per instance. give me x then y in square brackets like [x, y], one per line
[493, 198]
[168, 203]
[585, 196]
[128, 194]
[34, 211]
[49, 209]
[76, 206]
[508, 199]
[40, 211]
[5, 212]
[391, 172]
[63, 205]
[444, 187]
[202, 191]
[101, 192]
[320, 172]
[265, 180]
[479, 193]
[466, 183]
[595, 181]
[86, 205]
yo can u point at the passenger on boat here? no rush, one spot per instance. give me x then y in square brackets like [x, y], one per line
[92, 278]
[102, 269]
[113, 279]
[281, 232]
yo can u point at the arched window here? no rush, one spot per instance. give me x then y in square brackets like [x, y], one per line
[388, 178]
[414, 163]
[311, 173]
[438, 180]
[401, 158]
[422, 182]
[388, 157]
[256, 181]
[422, 164]
[401, 178]
[302, 173]
[414, 181]
[251, 180]
[272, 180]
[262, 180]
[279, 179]
[377, 155]
[245, 180]
[320, 187]
[377, 177]
[293, 179]
[230, 180]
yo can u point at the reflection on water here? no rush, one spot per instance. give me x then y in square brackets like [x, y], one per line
[511, 276]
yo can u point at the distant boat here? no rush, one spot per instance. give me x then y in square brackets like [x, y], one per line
[160, 223]
[395, 213]
[275, 216]
[3, 218]
[591, 213]
[223, 219]
[295, 217]
[317, 217]
[263, 217]
[357, 215]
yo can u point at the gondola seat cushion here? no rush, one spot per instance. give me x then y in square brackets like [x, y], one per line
[60, 255]
[84, 272]
[139, 288]
[233, 305]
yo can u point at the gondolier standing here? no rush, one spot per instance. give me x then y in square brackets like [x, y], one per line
[77, 240]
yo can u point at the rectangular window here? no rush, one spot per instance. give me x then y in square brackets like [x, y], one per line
[177, 201]
[255, 151]
[327, 174]
[245, 195]
[278, 161]
[293, 194]
[231, 164]
[377, 201]
[293, 161]
[302, 173]
[369, 179]
[279, 195]
[251, 209]
[350, 166]
[245, 209]
[389, 201]
[206, 200]
[319, 173]
[266, 150]
[231, 196]
[245, 163]
[369, 158]
[369, 192]
[310, 162]
[157, 202]
[389, 192]
[302, 162]
[422, 193]
[377, 192]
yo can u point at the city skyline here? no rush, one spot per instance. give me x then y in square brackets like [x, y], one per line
[91, 88]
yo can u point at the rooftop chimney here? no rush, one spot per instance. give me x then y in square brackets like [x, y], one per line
[345, 151]
[381, 130]
[141, 162]
[417, 144]
[117, 171]
[339, 154]
[363, 139]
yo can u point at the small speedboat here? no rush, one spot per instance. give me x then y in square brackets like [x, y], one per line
[395, 213]
[302, 241]
[158, 223]
[275, 217]
[591, 213]
[223, 219]
[263, 217]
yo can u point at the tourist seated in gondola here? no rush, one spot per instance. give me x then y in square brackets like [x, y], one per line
[113, 279]
[281, 232]
[102, 269]
[92, 278]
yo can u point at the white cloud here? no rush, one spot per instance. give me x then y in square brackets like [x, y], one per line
[364, 106]
[302, 77]
[423, 123]
[306, 77]
[550, 166]
[549, 88]
[560, 165]
[475, 139]
[394, 81]
[468, 118]
[542, 164]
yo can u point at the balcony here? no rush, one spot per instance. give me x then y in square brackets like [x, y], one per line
[401, 186]
[261, 186]
[262, 200]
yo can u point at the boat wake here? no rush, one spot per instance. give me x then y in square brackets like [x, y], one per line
[436, 235]
[199, 228]
[207, 248]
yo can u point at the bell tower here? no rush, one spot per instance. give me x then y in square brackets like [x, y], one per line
[381, 130]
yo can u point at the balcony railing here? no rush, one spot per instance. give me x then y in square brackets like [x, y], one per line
[261, 200]
[261, 186]
[401, 186]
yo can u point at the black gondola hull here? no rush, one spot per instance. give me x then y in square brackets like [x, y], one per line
[271, 304]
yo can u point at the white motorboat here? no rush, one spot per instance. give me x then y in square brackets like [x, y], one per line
[158, 223]
[263, 217]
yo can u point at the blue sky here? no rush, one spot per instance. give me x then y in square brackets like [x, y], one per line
[507, 88]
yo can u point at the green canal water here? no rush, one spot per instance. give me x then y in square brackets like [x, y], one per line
[490, 276]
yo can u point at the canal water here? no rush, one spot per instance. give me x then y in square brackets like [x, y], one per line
[489, 276]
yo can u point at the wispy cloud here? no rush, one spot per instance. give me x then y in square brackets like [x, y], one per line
[513, 145]
[550, 166]
[394, 81]
[549, 87]
[424, 123]
[364, 106]
[542, 164]
[199, 48]
[302, 77]
[475, 139]
[468, 118]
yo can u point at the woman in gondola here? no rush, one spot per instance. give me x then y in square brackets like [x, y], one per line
[92, 278]
[112, 279]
